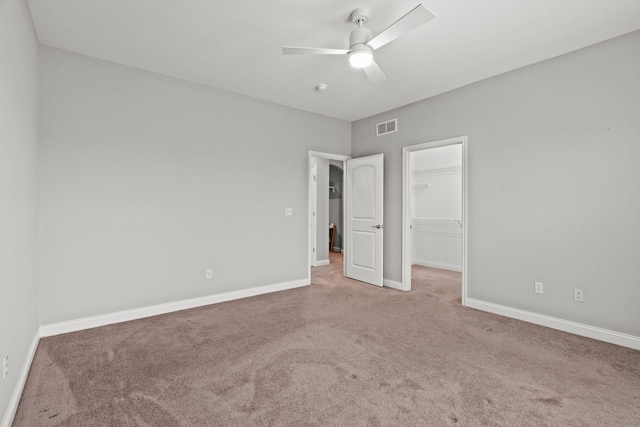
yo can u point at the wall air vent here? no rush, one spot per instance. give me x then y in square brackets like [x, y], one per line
[387, 127]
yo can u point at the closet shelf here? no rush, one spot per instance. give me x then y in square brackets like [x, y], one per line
[444, 170]
[440, 219]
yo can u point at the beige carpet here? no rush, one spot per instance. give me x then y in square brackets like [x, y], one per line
[338, 353]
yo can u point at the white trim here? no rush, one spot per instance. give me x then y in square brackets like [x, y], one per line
[313, 201]
[407, 222]
[321, 263]
[392, 284]
[439, 265]
[406, 213]
[154, 310]
[10, 413]
[559, 324]
[465, 222]
[329, 156]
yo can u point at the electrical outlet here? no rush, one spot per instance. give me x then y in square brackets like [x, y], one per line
[538, 287]
[5, 364]
[288, 211]
[208, 274]
[578, 295]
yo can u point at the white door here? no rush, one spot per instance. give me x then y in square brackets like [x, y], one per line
[364, 228]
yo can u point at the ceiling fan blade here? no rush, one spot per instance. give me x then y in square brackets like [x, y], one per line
[374, 72]
[292, 50]
[418, 16]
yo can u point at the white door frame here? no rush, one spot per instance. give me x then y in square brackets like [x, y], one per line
[313, 207]
[329, 156]
[406, 211]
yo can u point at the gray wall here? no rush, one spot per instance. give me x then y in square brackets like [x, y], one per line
[553, 182]
[18, 190]
[147, 181]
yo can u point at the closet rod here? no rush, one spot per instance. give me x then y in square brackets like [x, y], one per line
[440, 219]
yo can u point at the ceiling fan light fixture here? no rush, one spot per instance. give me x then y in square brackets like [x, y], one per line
[360, 58]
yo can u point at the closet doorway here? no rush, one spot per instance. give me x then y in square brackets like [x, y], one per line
[434, 208]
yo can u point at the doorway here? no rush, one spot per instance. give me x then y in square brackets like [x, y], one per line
[434, 208]
[336, 206]
[362, 216]
[320, 209]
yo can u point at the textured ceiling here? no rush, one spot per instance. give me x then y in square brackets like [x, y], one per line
[237, 45]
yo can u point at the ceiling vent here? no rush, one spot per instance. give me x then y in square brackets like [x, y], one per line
[387, 127]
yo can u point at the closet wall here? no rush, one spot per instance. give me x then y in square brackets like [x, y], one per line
[436, 207]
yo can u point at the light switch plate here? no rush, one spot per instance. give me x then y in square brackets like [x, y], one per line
[538, 288]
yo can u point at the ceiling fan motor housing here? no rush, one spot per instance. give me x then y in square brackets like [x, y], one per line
[359, 36]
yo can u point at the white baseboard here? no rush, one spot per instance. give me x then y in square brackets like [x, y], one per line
[392, 284]
[560, 324]
[321, 263]
[10, 413]
[139, 313]
[439, 265]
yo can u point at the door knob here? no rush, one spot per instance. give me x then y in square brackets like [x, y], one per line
[377, 226]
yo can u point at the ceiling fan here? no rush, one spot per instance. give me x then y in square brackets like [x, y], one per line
[362, 44]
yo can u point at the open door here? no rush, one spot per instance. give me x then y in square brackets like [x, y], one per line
[364, 225]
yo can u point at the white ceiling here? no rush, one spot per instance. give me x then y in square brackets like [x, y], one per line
[237, 45]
